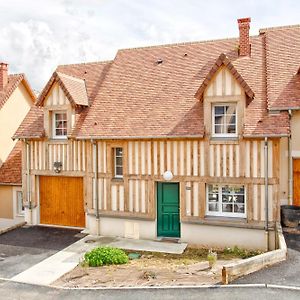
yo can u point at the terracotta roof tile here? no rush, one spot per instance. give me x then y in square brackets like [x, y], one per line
[11, 169]
[74, 89]
[150, 92]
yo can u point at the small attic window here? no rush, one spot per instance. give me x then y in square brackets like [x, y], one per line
[159, 61]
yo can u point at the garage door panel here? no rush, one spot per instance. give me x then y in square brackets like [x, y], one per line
[61, 201]
[296, 179]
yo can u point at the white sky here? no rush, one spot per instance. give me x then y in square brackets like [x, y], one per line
[38, 35]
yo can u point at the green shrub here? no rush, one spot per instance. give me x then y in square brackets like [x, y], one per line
[236, 251]
[105, 256]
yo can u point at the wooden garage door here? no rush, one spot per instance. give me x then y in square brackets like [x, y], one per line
[61, 201]
[296, 169]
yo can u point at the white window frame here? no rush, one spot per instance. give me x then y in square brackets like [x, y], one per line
[115, 162]
[54, 113]
[219, 213]
[16, 211]
[214, 134]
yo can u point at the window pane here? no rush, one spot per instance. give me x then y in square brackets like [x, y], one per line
[219, 120]
[213, 188]
[119, 151]
[213, 207]
[229, 109]
[227, 207]
[239, 208]
[219, 128]
[59, 132]
[231, 129]
[219, 110]
[119, 161]
[119, 171]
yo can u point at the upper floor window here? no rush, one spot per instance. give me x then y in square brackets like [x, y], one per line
[59, 125]
[226, 200]
[224, 121]
[118, 162]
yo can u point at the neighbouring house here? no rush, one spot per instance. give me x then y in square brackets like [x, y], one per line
[16, 98]
[168, 141]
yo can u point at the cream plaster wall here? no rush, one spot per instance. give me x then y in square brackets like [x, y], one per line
[11, 115]
[197, 234]
[6, 201]
[295, 129]
[283, 177]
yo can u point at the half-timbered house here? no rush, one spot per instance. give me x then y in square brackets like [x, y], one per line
[165, 141]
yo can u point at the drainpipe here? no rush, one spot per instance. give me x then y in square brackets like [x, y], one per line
[266, 167]
[28, 178]
[95, 189]
[290, 166]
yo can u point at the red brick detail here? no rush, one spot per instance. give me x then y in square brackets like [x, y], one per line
[244, 41]
[3, 75]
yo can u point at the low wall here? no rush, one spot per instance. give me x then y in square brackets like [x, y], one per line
[252, 264]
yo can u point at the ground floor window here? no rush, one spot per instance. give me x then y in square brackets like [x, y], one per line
[226, 200]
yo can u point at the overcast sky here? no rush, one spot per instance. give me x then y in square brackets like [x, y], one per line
[38, 35]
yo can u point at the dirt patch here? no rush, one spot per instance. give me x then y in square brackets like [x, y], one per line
[152, 269]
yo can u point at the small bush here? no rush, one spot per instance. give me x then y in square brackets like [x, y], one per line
[236, 251]
[105, 256]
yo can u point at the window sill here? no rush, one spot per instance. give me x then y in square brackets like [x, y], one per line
[226, 222]
[224, 140]
[117, 180]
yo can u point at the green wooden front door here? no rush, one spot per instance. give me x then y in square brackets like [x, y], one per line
[168, 224]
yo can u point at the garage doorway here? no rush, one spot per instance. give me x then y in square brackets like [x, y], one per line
[61, 201]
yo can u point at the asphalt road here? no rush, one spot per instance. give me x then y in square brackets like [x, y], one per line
[285, 273]
[26, 246]
[12, 291]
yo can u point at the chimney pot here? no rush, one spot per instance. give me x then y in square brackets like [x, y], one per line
[244, 40]
[3, 75]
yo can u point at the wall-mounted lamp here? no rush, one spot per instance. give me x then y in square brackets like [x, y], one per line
[57, 166]
[168, 175]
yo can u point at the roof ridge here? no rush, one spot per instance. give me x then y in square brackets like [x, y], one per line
[87, 63]
[263, 30]
[178, 44]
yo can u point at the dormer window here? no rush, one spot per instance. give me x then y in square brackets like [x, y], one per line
[224, 120]
[59, 125]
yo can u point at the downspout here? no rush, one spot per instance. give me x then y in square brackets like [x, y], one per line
[290, 166]
[95, 186]
[266, 167]
[28, 178]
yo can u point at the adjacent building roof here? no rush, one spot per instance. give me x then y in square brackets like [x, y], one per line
[150, 92]
[13, 82]
[11, 169]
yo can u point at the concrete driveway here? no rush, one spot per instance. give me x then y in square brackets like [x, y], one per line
[26, 246]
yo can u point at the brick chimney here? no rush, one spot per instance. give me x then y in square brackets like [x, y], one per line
[3, 75]
[244, 27]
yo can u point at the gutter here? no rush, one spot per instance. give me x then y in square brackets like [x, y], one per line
[28, 177]
[95, 185]
[290, 166]
[266, 167]
[266, 135]
[137, 137]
